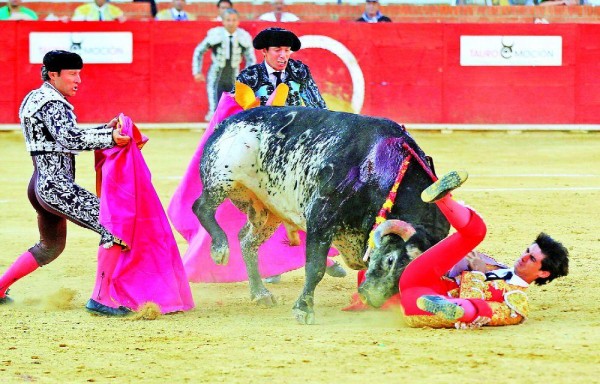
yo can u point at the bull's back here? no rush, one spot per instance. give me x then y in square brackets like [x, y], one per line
[287, 156]
[312, 132]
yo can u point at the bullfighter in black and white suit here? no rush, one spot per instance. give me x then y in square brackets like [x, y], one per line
[277, 45]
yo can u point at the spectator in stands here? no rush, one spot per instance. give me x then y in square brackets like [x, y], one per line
[372, 13]
[278, 14]
[227, 43]
[176, 12]
[13, 10]
[222, 5]
[98, 10]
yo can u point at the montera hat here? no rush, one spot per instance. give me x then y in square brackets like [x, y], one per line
[276, 37]
[57, 60]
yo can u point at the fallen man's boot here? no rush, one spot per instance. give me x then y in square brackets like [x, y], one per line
[439, 306]
[443, 186]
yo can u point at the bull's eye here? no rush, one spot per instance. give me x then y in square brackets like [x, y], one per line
[390, 260]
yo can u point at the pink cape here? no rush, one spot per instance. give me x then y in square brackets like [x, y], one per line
[275, 256]
[130, 209]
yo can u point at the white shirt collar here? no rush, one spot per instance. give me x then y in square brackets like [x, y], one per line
[270, 70]
[272, 77]
[514, 280]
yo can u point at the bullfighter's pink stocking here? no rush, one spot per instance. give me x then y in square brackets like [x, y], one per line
[107, 261]
[23, 266]
[468, 307]
[457, 214]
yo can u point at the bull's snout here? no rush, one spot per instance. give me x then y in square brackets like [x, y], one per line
[374, 294]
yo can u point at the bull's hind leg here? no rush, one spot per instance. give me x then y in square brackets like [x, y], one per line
[205, 208]
[260, 226]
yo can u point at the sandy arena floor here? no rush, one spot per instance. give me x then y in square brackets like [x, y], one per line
[520, 183]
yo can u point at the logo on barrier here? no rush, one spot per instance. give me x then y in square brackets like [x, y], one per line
[511, 51]
[76, 43]
[506, 50]
[94, 47]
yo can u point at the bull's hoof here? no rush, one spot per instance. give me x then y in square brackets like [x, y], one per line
[307, 318]
[275, 279]
[265, 299]
[335, 270]
[220, 255]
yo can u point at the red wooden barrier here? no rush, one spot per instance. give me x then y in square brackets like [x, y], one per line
[412, 73]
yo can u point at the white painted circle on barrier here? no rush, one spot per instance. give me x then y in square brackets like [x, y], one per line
[340, 50]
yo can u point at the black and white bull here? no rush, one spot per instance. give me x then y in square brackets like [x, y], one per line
[327, 173]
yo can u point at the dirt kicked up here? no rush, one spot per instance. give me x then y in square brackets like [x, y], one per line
[520, 183]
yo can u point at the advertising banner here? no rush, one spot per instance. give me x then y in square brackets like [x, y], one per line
[511, 50]
[93, 47]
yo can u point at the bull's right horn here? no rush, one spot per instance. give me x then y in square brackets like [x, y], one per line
[397, 227]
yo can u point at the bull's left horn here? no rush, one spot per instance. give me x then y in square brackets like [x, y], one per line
[397, 227]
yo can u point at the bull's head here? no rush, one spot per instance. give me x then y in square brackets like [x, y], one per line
[396, 244]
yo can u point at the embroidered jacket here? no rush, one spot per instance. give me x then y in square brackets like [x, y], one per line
[217, 39]
[506, 298]
[303, 90]
[49, 124]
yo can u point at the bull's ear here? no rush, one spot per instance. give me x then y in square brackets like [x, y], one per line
[244, 96]
[280, 95]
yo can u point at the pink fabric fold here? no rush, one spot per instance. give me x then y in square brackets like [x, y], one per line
[152, 270]
[275, 256]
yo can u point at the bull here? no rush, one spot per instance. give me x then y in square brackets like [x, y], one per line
[326, 173]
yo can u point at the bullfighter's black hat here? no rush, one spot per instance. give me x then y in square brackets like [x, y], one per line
[57, 60]
[276, 37]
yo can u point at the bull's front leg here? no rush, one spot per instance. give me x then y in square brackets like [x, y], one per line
[317, 247]
[205, 208]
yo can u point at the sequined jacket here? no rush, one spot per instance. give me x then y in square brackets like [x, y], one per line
[303, 90]
[49, 125]
[506, 298]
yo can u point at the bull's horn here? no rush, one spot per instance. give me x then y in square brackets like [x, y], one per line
[398, 227]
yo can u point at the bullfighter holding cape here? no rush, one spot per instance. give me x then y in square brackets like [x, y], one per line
[124, 280]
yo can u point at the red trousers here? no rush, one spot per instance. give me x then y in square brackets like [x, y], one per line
[423, 276]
